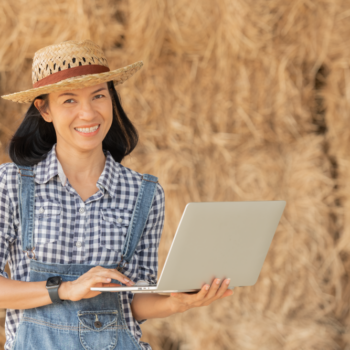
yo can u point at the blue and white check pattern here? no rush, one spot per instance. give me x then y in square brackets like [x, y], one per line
[70, 231]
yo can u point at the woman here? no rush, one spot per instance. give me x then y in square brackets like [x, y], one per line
[67, 209]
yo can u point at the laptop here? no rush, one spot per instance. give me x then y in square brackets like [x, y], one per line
[216, 240]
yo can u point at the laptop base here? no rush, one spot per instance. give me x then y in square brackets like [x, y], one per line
[138, 289]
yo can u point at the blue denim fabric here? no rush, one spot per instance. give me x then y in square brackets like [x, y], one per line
[91, 324]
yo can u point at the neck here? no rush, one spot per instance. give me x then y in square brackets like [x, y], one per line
[82, 165]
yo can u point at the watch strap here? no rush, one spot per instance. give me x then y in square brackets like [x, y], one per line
[53, 293]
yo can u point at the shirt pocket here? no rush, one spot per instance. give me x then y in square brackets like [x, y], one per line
[47, 222]
[114, 224]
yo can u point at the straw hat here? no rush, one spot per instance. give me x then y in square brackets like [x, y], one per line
[71, 65]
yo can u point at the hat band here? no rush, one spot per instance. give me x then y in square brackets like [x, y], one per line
[71, 73]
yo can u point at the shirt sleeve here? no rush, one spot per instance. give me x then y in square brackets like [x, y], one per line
[7, 230]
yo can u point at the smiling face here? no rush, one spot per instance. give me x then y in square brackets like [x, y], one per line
[81, 118]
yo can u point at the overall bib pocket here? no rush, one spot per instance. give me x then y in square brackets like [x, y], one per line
[47, 222]
[114, 227]
[98, 329]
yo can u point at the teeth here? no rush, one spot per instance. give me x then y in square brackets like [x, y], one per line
[87, 130]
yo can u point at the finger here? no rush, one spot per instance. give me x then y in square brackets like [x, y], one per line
[192, 296]
[201, 295]
[111, 285]
[116, 275]
[121, 278]
[192, 300]
[223, 288]
[228, 293]
[213, 289]
[97, 280]
[113, 274]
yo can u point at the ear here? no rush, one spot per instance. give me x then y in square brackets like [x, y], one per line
[45, 113]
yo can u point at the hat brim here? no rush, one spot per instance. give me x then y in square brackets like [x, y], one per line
[118, 76]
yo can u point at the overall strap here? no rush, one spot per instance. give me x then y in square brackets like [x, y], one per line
[26, 201]
[139, 217]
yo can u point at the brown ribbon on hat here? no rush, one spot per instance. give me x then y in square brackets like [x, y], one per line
[70, 73]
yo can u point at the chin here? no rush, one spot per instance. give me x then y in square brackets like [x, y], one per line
[88, 146]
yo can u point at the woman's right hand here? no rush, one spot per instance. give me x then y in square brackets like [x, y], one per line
[96, 277]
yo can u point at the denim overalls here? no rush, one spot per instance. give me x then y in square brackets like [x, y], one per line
[91, 324]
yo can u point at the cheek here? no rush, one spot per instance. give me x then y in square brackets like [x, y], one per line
[111, 120]
[62, 124]
[108, 116]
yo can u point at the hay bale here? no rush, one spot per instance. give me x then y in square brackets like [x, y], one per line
[249, 66]
[335, 97]
[301, 272]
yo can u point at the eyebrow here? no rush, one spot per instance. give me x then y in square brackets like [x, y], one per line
[71, 93]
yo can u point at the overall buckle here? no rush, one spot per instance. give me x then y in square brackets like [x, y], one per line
[121, 265]
[31, 254]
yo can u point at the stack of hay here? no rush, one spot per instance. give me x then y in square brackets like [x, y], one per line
[229, 107]
[336, 96]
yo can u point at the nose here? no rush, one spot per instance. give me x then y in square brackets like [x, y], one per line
[86, 111]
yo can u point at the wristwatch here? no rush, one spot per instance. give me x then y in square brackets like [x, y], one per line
[52, 285]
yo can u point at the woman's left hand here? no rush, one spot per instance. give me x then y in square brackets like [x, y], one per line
[180, 302]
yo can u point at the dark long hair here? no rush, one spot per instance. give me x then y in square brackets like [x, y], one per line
[35, 137]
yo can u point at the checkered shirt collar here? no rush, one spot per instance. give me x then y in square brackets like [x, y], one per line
[50, 167]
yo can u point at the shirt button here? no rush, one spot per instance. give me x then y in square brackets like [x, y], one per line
[81, 210]
[119, 220]
[78, 244]
[41, 210]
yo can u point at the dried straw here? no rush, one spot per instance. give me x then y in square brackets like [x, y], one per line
[228, 109]
[335, 94]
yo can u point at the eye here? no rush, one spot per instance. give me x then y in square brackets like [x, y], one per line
[99, 96]
[69, 101]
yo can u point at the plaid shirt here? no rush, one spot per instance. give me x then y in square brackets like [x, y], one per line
[70, 231]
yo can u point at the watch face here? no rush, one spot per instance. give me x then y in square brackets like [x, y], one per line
[54, 281]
